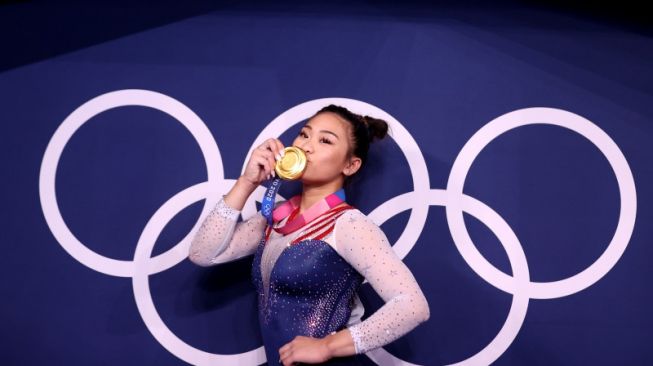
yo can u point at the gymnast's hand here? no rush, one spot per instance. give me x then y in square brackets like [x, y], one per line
[262, 161]
[305, 350]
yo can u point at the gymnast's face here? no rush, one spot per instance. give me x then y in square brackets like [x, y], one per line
[326, 139]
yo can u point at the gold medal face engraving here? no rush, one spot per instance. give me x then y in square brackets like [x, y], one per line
[292, 165]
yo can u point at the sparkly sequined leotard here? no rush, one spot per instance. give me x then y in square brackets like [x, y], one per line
[308, 286]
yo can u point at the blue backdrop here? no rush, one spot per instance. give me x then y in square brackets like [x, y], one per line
[569, 93]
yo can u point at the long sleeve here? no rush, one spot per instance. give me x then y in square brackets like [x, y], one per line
[221, 238]
[364, 245]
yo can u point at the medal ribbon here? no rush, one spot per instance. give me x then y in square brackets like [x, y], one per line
[267, 203]
[283, 211]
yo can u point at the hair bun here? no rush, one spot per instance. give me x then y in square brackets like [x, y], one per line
[377, 128]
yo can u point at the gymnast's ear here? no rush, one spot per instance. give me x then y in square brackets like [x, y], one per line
[352, 166]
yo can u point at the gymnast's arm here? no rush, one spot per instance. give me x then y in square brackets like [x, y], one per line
[221, 238]
[364, 245]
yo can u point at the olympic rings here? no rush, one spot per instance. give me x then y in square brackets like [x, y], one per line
[453, 199]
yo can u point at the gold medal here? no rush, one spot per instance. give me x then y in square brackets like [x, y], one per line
[291, 166]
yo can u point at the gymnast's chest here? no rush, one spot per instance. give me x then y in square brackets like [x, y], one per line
[305, 268]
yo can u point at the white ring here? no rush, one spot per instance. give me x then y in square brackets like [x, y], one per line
[397, 131]
[81, 115]
[493, 350]
[574, 122]
[143, 296]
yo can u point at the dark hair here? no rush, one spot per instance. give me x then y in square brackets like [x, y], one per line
[364, 130]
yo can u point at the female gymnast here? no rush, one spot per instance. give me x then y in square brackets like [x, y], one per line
[309, 264]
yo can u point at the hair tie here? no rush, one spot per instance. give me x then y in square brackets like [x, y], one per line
[366, 126]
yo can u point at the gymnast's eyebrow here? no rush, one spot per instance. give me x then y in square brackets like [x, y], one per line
[325, 131]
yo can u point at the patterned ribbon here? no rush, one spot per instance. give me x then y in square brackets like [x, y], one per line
[283, 211]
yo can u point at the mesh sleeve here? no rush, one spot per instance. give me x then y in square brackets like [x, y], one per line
[221, 238]
[364, 245]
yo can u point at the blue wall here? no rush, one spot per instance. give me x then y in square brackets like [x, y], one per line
[553, 201]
